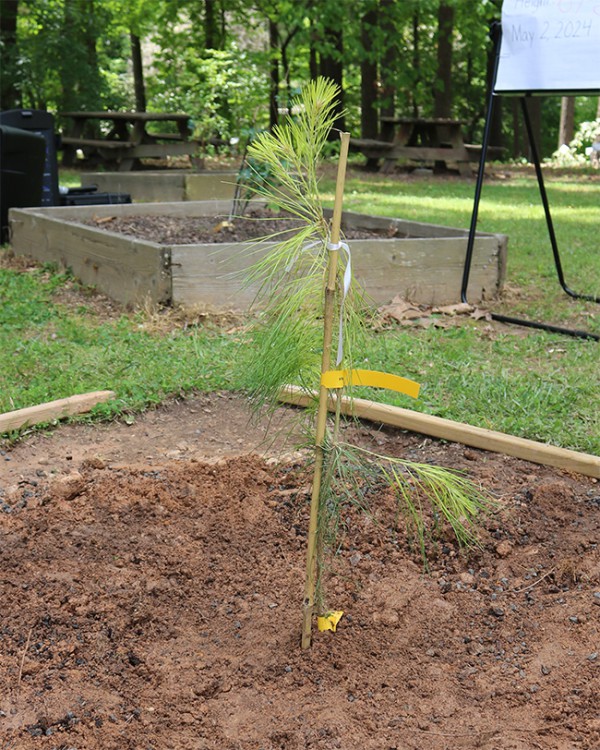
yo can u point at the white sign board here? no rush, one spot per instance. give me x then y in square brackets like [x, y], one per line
[549, 45]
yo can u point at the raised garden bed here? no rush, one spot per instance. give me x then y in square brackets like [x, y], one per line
[165, 185]
[422, 262]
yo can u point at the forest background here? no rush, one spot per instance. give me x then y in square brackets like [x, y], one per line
[234, 65]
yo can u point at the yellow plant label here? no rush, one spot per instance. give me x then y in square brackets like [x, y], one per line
[339, 378]
[329, 621]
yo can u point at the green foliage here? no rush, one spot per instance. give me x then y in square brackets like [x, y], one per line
[74, 54]
[224, 91]
[71, 55]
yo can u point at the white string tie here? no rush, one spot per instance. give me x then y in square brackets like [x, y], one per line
[332, 247]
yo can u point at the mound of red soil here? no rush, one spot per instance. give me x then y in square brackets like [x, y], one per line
[154, 601]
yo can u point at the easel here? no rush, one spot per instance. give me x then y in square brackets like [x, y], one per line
[496, 34]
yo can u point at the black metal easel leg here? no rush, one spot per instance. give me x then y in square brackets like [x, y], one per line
[545, 203]
[496, 34]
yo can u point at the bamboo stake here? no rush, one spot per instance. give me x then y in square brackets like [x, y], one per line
[330, 288]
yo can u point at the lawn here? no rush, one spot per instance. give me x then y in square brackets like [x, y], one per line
[529, 383]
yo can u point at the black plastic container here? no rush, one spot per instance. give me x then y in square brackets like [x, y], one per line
[40, 122]
[22, 158]
[87, 196]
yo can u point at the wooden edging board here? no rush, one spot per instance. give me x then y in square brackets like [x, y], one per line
[446, 429]
[421, 262]
[64, 407]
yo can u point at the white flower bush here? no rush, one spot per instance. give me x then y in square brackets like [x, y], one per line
[583, 148]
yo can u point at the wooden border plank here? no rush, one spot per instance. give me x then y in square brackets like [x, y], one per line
[63, 407]
[458, 432]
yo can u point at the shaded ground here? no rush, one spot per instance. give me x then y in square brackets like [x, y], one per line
[151, 587]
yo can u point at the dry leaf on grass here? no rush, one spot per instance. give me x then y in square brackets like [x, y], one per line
[410, 314]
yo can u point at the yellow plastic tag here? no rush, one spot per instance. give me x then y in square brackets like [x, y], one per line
[329, 621]
[339, 378]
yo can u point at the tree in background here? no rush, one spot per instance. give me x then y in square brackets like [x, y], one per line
[9, 91]
[233, 64]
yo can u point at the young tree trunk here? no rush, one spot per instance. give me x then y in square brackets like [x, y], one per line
[519, 137]
[9, 93]
[369, 126]
[442, 96]
[566, 130]
[139, 86]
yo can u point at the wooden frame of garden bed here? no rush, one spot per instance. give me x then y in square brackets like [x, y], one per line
[425, 265]
[166, 185]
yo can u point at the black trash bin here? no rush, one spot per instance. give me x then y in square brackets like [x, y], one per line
[22, 157]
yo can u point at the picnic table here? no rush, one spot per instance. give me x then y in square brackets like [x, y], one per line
[424, 140]
[127, 139]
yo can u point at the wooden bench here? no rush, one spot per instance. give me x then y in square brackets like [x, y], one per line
[371, 148]
[167, 136]
[494, 153]
[81, 142]
[128, 140]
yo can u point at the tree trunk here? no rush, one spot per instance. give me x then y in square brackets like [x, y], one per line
[442, 96]
[139, 86]
[369, 126]
[80, 78]
[9, 92]
[210, 25]
[274, 74]
[534, 107]
[313, 60]
[332, 68]
[416, 62]
[389, 61]
[285, 64]
[496, 136]
[518, 145]
[566, 130]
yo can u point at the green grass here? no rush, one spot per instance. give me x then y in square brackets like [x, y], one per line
[512, 207]
[52, 351]
[541, 386]
[534, 384]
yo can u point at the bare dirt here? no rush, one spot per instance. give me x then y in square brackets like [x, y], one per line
[152, 582]
[186, 230]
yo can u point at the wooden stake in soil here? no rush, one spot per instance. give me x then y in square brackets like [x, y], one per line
[446, 429]
[330, 289]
